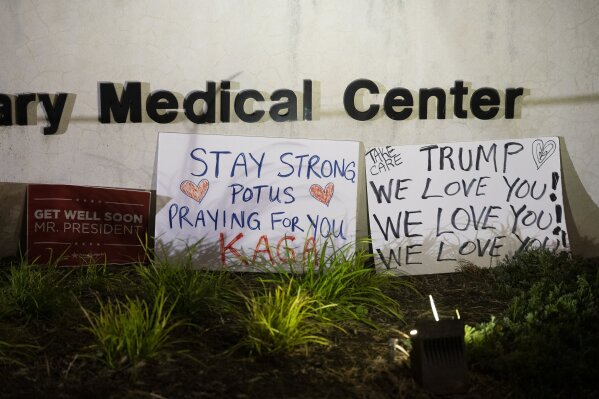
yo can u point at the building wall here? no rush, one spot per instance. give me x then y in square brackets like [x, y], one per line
[547, 47]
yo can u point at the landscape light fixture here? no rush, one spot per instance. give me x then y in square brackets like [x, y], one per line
[433, 307]
[438, 354]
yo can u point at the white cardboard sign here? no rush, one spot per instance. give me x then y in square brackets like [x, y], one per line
[433, 205]
[246, 203]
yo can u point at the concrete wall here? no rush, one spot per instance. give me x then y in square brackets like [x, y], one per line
[547, 47]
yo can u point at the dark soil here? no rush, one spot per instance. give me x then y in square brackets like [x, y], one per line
[202, 363]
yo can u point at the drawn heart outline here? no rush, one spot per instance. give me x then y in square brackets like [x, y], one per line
[323, 195]
[193, 191]
[541, 151]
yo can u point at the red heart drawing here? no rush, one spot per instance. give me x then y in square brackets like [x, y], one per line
[196, 192]
[322, 195]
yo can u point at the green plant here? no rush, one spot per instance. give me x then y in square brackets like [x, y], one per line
[192, 293]
[340, 277]
[34, 291]
[484, 341]
[518, 273]
[94, 278]
[131, 332]
[282, 319]
[547, 339]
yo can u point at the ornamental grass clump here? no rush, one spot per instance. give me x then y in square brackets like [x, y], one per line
[280, 319]
[94, 278]
[131, 332]
[193, 294]
[347, 288]
[33, 291]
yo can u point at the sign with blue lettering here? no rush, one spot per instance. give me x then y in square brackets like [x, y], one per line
[254, 203]
[433, 205]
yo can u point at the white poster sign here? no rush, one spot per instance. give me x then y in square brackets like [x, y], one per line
[433, 205]
[249, 203]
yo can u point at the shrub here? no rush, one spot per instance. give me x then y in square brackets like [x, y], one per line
[547, 340]
[518, 273]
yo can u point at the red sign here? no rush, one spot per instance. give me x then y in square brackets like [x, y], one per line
[77, 225]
